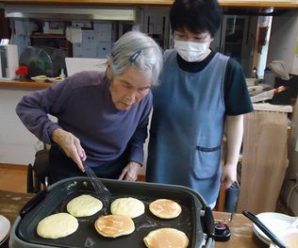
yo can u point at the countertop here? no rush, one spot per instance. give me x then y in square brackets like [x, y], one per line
[240, 226]
[224, 3]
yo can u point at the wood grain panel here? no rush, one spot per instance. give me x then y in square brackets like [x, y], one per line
[264, 160]
[24, 85]
[13, 178]
[226, 3]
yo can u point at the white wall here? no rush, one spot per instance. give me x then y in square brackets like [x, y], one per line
[284, 40]
[17, 144]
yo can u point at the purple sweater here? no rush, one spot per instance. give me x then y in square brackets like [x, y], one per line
[83, 106]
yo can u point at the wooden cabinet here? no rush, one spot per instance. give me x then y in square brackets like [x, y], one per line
[52, 40]
[4, 30]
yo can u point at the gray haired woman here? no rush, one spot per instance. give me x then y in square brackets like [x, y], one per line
[102, 117]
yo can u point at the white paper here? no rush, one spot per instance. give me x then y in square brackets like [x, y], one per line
[75, 65]
[74, 35]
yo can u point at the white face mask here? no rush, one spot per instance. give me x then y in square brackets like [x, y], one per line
[192, 51]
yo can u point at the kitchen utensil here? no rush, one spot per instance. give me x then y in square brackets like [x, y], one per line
[277, 223]
[290, 237]
[23, 233]
[100, 189]
[267, 231]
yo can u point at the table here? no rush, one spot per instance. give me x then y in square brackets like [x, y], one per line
[10, 205]
[241, 227]
[242, 233]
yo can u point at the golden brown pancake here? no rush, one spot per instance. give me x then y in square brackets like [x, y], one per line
[165, 209]
[166, 238]
[113, 226]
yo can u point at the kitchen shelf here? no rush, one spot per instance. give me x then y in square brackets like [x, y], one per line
[224, 3]
[23, 85]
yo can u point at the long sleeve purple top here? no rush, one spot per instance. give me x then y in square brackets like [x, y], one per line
[83, 106]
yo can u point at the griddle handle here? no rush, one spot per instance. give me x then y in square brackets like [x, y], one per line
[208, 222]
[33, 202]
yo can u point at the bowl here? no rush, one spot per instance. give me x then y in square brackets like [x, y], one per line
[55, 79]
[39, 78]
[290, 239]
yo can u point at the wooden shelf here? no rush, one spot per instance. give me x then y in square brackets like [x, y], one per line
[47, 36]
[225, 3]
[24, 85]
[259, 4]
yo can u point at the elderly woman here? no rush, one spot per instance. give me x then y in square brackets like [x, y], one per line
[102, 117]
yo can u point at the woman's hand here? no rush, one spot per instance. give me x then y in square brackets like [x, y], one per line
[71, 146]
[130, 172]
[229, 175]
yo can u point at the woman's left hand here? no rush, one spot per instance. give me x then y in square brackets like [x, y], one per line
[229, 175]
[130, 172]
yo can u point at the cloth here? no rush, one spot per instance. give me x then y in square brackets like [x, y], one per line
[83, 106]
[187, 126]
[236, 97]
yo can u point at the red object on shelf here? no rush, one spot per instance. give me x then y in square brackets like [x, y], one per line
[22, 70]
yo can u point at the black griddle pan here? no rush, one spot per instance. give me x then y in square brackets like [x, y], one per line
[59, 194]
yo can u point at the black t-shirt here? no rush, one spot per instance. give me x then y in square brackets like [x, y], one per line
[237, 99]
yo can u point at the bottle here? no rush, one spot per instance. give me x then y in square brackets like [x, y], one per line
[62, 75]
[254, 73]
[269, 77]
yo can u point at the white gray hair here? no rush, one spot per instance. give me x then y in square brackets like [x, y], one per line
[136, 49]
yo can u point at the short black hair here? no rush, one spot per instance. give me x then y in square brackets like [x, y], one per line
[196, 15]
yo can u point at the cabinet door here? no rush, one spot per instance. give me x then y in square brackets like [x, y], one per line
[234, 36]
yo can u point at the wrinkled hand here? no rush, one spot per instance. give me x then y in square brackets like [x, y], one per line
[130, 172]
[71, 146]
[229, 175]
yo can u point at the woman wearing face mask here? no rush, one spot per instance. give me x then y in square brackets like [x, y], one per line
[201, 93]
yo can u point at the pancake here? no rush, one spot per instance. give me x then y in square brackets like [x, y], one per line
[57, 226]
[84, 205]
[165, 209]
[113, 226]
[130, 207]
[166, 238]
